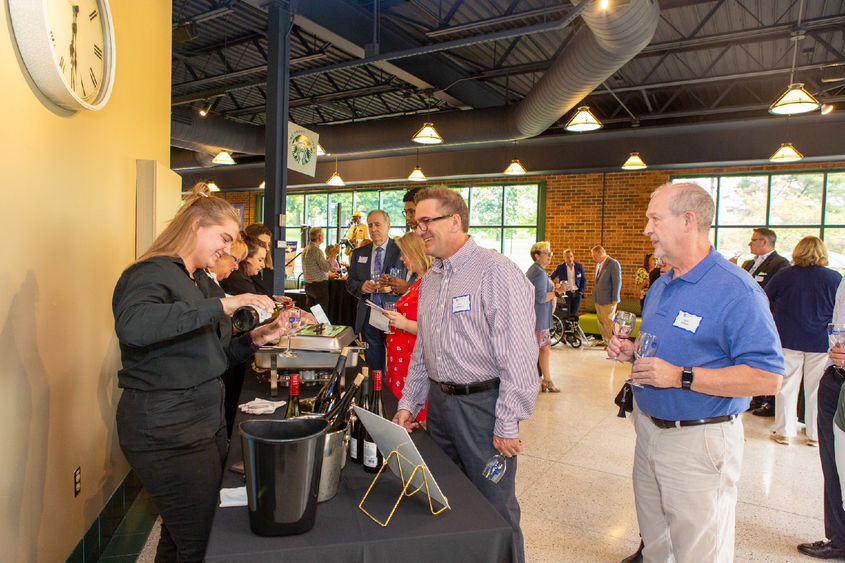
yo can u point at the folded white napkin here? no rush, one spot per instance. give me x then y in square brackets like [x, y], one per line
[261, 406]
[233, 497]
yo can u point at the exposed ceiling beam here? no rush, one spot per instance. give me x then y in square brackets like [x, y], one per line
[248, 38]
[322, 98]
[205, 16]
[471, 26]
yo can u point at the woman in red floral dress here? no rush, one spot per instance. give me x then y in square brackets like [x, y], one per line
[403, 321]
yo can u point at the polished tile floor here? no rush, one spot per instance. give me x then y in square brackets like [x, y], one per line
[574, 482]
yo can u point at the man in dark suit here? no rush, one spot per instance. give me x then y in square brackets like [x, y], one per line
[608, 284]
[766, 263]
[572, 273]
[367, 263]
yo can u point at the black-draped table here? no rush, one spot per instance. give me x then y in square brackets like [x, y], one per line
[342, 305]
[470, 531]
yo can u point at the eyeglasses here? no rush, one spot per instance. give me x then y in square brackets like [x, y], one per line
[422, 224]
[549, 252]
[406, 212]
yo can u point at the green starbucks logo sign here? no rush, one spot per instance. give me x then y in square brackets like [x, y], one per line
[301, 148]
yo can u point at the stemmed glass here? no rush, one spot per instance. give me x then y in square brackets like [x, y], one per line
[495, 468]
[645, 346]
[836, 339]
[623, 325]
[293, 318]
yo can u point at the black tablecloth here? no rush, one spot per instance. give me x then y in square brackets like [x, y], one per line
[342, 304]
[470, 531]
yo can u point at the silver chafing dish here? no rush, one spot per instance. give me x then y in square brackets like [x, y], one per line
[315, 350]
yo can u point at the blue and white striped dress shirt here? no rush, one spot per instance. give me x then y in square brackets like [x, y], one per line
[476, 322]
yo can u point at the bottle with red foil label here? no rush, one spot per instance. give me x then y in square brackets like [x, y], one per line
[373, 459]
[293, 397]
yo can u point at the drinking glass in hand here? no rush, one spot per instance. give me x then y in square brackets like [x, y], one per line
[623, 325]
[645, 346]
[495, 468]
[292, 320]
[836, 339]
[389, 307]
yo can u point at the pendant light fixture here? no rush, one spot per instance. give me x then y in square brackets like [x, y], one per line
[515, 169]
[634, 162]
[212, 187]
[427, 135]
[335, 179]
[826, 109]
[223, 158]
[321, 151]
[204, 109]
[583, 121]
[786, 153]
[262, 185]
[796, 99]
[416, 174]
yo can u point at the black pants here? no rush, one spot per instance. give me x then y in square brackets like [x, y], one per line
[175, 441]
[317, 293]
[834, 516]
[573, 302]
[462, 425]
[376, 350]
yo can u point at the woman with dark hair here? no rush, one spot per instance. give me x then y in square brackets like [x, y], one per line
[265, 275]
[243, 279]
[641, 278]
[170, 419]
[802, 297]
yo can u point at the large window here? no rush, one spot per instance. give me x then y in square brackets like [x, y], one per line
[505, 218]
[794, 205]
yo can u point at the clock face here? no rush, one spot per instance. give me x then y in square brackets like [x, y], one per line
[77, 39]
[68, 48]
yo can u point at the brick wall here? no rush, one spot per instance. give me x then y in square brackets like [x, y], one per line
[574, 205]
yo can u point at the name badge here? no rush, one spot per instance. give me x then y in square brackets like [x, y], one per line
[363, 259]
[460, 304]
[759, 278]
[687, 321]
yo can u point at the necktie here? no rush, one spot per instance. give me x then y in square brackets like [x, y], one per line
[598, 269]
[378, 265]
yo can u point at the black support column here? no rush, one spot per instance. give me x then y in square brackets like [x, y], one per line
[280, 21]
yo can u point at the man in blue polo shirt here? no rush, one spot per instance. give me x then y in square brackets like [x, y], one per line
[717, 345]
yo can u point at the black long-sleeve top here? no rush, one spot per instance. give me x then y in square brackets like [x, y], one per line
[168, 328]
[238, 283]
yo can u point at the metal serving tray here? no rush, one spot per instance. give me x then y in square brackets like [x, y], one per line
[313, 351]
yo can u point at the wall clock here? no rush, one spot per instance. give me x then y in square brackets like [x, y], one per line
[68, 49]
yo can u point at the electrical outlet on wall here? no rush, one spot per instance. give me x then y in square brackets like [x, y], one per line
[77, 481]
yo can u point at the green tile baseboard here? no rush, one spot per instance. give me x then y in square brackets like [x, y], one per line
[92, 545]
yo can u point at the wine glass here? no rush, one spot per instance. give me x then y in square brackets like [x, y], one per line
[293, 318]
[391, 306]
[623, 325]
[836, 339]
[495, 468]
[645, 346]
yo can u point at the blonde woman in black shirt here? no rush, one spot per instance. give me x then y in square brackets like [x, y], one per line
[170, 416]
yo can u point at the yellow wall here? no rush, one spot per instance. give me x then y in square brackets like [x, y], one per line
[68, 213]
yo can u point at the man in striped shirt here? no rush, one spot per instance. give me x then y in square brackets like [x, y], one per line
[476, 354]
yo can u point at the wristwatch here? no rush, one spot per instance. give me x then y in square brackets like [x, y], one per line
[686, 378]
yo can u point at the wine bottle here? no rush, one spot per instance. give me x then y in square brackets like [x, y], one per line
[359, 429]
[372, 458]
[340, 416]
[248, 317]
[293, 396]
[354, 443]
[330, 392]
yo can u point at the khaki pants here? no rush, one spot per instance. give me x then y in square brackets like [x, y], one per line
[685, 490]
[811, 366]
[604, 315]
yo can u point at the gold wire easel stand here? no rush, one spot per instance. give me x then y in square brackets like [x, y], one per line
[405, 485]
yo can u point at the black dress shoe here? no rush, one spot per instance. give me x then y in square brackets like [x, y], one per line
[766, 410]
[822, 550]
[635, 557]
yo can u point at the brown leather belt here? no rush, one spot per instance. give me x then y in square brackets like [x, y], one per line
[660, 423]
[467, 389]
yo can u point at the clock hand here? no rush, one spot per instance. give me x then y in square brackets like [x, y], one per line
[73, 43]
